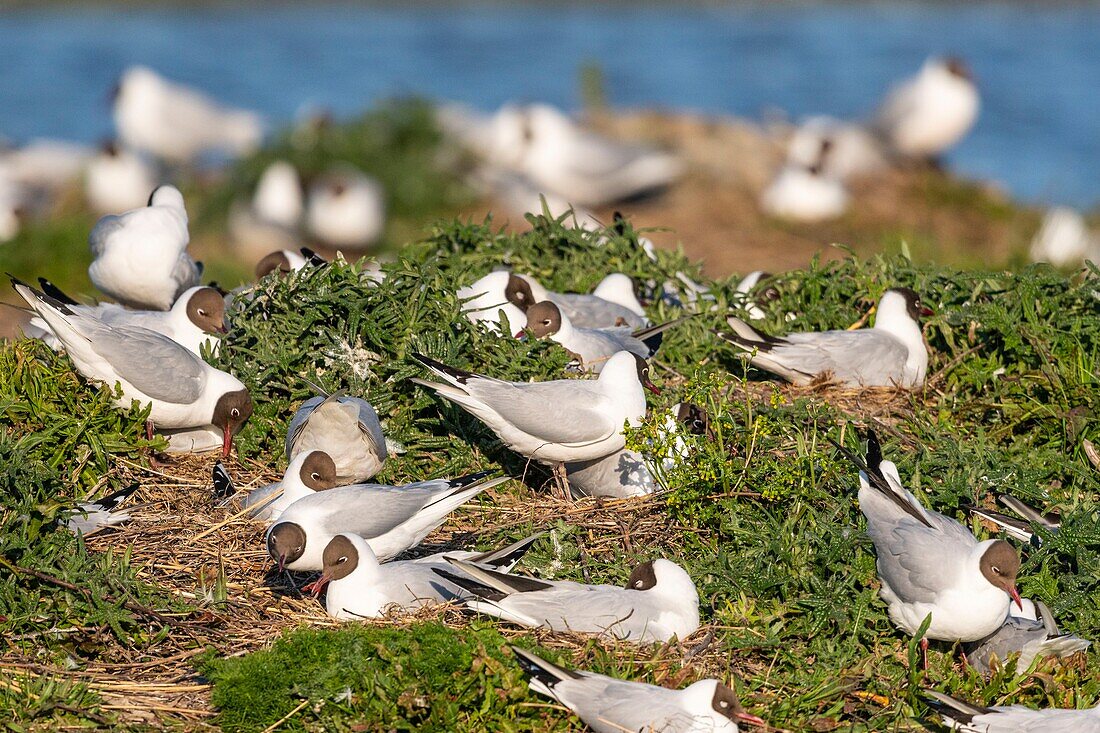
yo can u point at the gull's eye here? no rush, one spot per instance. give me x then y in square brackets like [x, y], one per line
[723, 704]
[697, 424]
[315, 476]
[202, 312]
[996, 570]
[546, 322]
[341, 560]
[235, 412]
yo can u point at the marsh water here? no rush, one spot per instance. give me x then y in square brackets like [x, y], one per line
[1038, 66]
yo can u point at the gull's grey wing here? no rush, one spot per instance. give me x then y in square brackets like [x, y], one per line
[593, 609]
[863, 355]
[591, 311]
[154, 364]
[370, 425]
[1018, 719]
[1025, 637]
[102, 231]
[368, 510]
[298, 422]
[911, 556]
[562, 411]
[186, 272]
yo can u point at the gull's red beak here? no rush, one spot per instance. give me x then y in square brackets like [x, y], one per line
[222, 329]
[318, 585]
[282, 562]
[521, 335]
[651, 387]
[745, 717]
[227, 441]
[926, 311]
[1012, 591]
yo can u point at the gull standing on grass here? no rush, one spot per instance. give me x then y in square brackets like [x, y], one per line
[391, 518]
[182, 389]
[361, 587]
[928, 563]
[658, 603]
[192, 321]
[557, 421]
[609, 705]
[891, 354]
[140, 257]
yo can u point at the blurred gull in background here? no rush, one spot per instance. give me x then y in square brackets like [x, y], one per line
[1064, 239]
[926, 115]
[118, 179]
[179, 124]
[346, 209]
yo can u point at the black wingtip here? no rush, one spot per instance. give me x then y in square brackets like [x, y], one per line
[47, 299]
[470, 585]
[55, 292]
[459, 375]
[546, 672]
[957, 710]
[111, 501]
[223, 483]
[312, 257]
[471, 478]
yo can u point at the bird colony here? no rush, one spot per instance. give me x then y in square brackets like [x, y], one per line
[358, 540]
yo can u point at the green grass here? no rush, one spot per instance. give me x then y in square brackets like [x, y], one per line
[764, 517]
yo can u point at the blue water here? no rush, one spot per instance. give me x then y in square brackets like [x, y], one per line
[1039, 67]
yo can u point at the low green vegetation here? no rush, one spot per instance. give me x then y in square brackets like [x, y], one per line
[763, 514]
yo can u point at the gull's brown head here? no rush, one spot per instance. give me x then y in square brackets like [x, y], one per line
[1000, 564]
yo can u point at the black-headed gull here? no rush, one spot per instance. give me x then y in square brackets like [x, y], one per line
[658, 603]
[592, 347]
[626, 472]
[93, 516]
[286, 261]
[891, 354]
[182, 389]
[118, 179]
[1021, 529]
[346, 428]
[609, 705]
[140, 257]
[929, 113]
[963, 716]
[192, 321]
[854, 150]
[1029, 631]
[346, 209]
[587, 169]
[556, 421]
[484, 300]
[806, 193]
[584, 311]
[308, 472]
[391, 518]
[1064, 239]
[177, 123]
[930, 564]
[361, 587]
